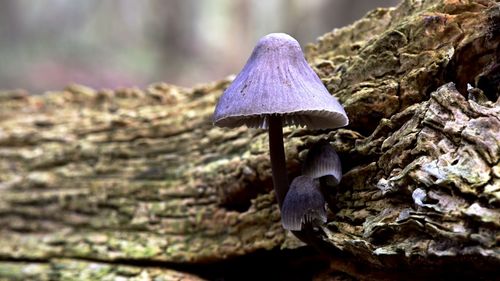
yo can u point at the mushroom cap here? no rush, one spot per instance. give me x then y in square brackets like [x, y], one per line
[323, 161]
[303, 204]
[277, 80]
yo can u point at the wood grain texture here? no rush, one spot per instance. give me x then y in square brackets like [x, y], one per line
[140, 178]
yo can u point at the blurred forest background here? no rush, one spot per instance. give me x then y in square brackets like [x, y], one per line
[47, 44]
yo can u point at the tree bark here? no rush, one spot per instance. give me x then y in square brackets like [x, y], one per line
[139, 184]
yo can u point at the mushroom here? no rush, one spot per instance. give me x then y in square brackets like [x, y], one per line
[323, 163]
[303, 204]
[277, 87]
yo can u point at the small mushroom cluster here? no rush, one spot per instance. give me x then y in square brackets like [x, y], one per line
[278, 88]
[304, 203]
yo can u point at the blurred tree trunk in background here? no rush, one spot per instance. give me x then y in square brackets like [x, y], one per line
[137, 184]
[48, 44]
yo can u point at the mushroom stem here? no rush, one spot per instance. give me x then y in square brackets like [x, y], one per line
[278, 161]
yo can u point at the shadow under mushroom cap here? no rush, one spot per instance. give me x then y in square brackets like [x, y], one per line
[278, 80]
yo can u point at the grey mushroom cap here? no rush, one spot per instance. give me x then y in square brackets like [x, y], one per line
[323, 161]
[277, 80]
[303, 204]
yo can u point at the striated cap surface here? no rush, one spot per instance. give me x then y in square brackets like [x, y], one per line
[323, 161]
[277, 80]
[303, 204]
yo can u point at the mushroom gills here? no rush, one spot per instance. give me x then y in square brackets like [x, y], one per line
[312, 119]
[303, 204]
[322, 161]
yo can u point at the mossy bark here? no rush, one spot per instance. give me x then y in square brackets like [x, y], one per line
[139, 181]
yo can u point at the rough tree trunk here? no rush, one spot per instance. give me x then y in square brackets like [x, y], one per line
[139, 185]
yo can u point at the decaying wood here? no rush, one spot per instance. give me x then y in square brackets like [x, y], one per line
[139, 184]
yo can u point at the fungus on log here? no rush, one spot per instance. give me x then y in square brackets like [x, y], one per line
[139, 183]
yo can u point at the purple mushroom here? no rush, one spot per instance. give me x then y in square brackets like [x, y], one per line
[275, 88]
[323, 163]
[303, 204]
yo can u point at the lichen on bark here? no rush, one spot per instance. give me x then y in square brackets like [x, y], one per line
[140, 178]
